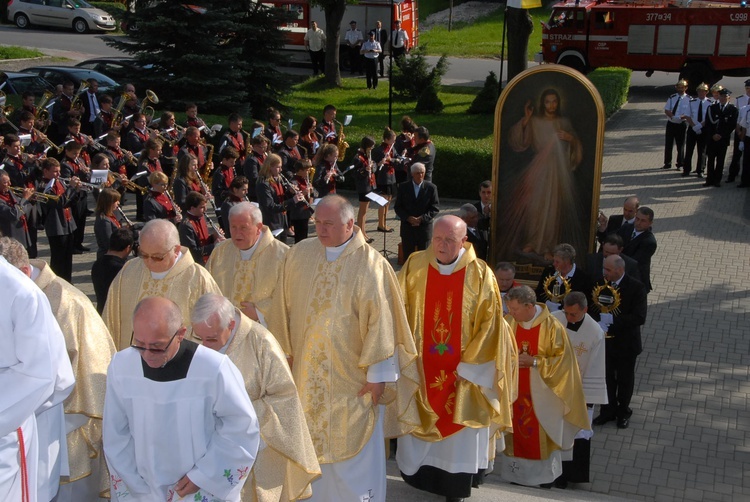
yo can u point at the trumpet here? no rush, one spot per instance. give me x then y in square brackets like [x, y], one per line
[48, 141]
[36, 196]
[147, 110]
[127, 184]
[82, 184]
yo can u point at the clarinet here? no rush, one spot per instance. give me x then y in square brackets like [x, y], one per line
[124, 217]
[288, 186]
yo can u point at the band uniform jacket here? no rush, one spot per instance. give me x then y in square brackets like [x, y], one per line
[626, 327]
[721, 122]
[426, 205]
[641, 249]
[11, 219]
[53, 212]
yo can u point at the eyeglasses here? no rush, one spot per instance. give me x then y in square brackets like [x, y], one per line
[153, 351]
[153, 257]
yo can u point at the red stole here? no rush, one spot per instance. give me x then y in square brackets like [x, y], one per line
[58, 189]
[201, 230]
[525, 423]
[441, 344]
[18, 164]
[198, 152]
[301, 183]
[388, 155]
[173, 135]
[278, 189]
[107, 118]
[143, 136]
[11, 201]
[195, 186]
[329, 127]
[366, 162]
[327, 168]
[153, 165]
[293, 152]
[163, 199]
[228, 173]
[81, 140]
[114, 220]
[119, 156]
[238, 141]
[261, 157]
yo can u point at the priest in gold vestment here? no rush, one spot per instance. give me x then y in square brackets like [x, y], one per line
[163, 269]
[90, 349]
[246, 267]
[286, 463]
[467, 357]
[551, 408]
[338, 315]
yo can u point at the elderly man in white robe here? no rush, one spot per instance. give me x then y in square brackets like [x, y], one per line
[587, 339]
[178, 423]
[28, 376]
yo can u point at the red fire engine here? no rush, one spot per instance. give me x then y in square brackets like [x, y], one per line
[700, 39]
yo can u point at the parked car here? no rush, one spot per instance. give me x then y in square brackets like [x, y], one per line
[59, 74]
[76, 14]
[120, 69]
[17, 83]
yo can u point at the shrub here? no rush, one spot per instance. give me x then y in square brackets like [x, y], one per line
[461, 164]
[411, 76]
[429, 102]
[613, 84]
[486, 100]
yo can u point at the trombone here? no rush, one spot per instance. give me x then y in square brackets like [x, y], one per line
[36, 196]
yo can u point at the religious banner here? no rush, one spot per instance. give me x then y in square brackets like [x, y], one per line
[546, 169]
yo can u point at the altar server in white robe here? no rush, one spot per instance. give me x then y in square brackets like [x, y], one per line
[178, 423]
[587, 339]
[28, 376]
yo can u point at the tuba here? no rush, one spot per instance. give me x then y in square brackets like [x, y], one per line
[42, 114]
[77, 104]
[342, 144]
[146, 109]
[6, 110]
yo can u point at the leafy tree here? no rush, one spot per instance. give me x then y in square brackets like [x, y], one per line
[220, 55]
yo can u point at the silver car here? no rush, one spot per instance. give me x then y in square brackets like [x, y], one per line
[76, 14]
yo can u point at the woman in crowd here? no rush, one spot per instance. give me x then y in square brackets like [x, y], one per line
[158, 203]
[364, 179]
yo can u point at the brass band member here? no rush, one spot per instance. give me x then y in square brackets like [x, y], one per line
[327, 173]
[171, 138]
[186, 180]
[273, 198]
[235, 137]
[191, 118]
[289, 152]
[74, 133]
[138, 134]
[157, 204]
[253, 162]
[404, 146]
[26, 126]
[194, 232]
[62, 110]
[107, 220]
[121, 161]
[19, 167]
[107, 116]
[364, 179]
[237, 194]
[308, 138]
[300, 214]
[194, 147]
[224, 174]
[74, 165]
[326, 127]
[385, 175]
[148, 161]
[273, 130]
[13, 210]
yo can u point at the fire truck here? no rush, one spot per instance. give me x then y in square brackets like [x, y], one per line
[701, 40]
[365, 13]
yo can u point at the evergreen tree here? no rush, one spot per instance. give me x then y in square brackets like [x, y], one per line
[214, 53]
[487, 98]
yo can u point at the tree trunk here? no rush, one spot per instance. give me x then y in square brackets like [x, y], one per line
[334, 15]
[520, 25]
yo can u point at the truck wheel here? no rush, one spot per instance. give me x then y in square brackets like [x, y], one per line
[573, 62]
[697, 73]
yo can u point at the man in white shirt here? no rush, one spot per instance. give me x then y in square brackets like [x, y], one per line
[354, 40]
[371, 50]
[399, 41]
[315, 43]
[737, 152]
[677, 106]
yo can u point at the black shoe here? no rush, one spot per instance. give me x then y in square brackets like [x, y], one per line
[546, 486]
[666, 166]
[743, 185]
[730, 179]
[370, 240]
[707, 184]
[453, 499]
[82, 248]
[77, 251]
[623, 423]
[717, 184]
[603, 419]
[700, 175]
[684, 174]
[561, 484]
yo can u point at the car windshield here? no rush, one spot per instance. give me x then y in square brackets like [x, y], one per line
[80, 4]
[103, 80]
[32, 83]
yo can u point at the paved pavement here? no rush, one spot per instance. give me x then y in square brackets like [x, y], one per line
[689, 435]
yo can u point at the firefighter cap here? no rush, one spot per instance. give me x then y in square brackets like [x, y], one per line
[747, 83]
[702, 87]
[716, 87]
[725, 92]
[682, 82]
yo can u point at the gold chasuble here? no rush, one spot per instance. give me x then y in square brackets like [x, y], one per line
[457, 318]
[90, 349]
[547, 395]
[252, 280]
[185, 282]
[286, 466]
[337, 319]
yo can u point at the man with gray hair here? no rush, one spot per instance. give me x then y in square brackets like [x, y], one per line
[164, 268]
[477, 238]
[286, 463]
[177, 418]
[416, 206]
[562, 277]
[587, 340]
[89, 349]
[550, 408]
[247, 266]
[340, 319]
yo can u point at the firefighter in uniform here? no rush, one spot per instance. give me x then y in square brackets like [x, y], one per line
[678, 106]
[696, 139]
[734, 167]
[721, 121]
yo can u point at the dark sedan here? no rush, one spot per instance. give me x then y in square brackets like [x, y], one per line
[17, 83]
[59, 74]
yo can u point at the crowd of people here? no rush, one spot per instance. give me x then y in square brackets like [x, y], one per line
[703, 127]
[224, 365]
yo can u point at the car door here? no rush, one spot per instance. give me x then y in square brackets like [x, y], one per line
[34, 10]
[58, 13]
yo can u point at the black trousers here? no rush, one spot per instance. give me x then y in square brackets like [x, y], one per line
[697, 143]
[411, 243]
[620, 376]
[734, 166]
[371, 71]
[448, 484]
[745, 179]
[61, 256]
[355, 59]
[318, 60]
[301, 229]
[716, 152]
[675, 135]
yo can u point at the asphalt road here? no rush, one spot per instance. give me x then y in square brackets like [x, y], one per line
[460, 72]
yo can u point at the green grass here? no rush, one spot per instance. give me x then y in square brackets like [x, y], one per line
[427, 7]
[15, 52]
[481, 39]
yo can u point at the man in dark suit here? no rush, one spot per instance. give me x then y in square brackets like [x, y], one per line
[416, 206]
[381, 36]
[612, 245]
[640, 244]
[623, 339]
[563, 262]
[477, 237]
[616, 221]
[721, 121]
[484, 206]
[90, 120]
[108, 265]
